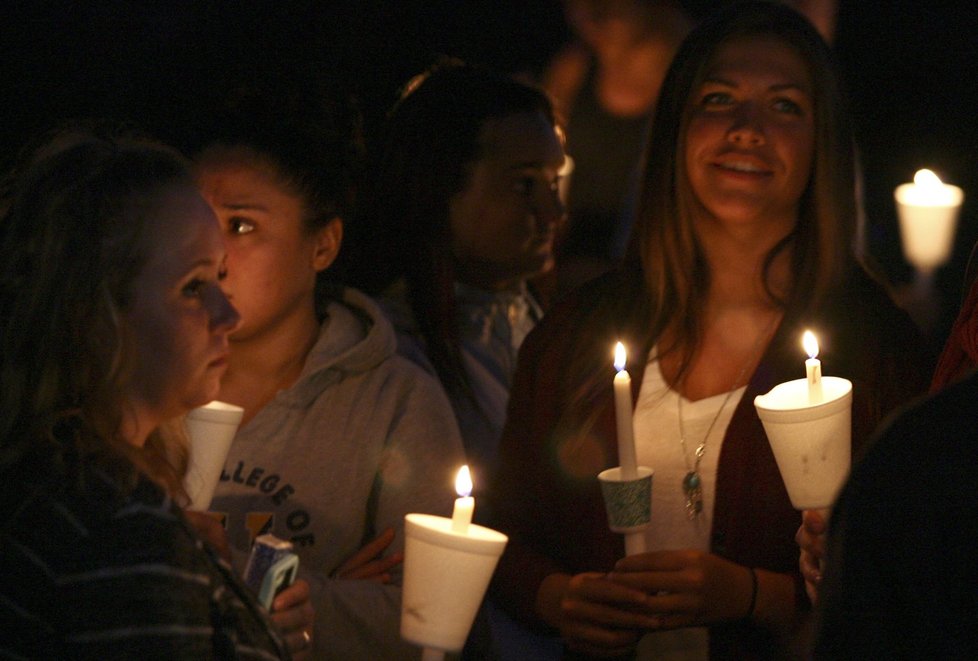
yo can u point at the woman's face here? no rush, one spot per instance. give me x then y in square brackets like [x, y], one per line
[179, 318]
[504, 221]
[272, 257]
[750, 136]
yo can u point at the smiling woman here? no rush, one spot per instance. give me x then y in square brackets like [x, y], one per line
[744, 237]
[750, 138]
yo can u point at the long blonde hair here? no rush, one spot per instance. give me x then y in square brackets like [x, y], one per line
[72, 240]
[664, 280]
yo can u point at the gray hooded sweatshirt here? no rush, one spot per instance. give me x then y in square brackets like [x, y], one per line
[362, 438]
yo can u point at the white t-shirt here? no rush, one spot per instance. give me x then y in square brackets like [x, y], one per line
[657, 446]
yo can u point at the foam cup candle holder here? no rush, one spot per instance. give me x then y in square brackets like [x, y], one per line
[210, 428]
[928, 213]
[448, 563]
[810, 435]
[628, 503]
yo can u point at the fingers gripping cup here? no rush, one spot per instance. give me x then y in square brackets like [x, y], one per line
[811, 442]
[211, 429]
[446, 574]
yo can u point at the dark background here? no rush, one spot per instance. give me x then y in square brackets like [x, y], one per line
[911, 69]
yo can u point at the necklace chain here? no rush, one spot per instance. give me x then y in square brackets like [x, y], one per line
[692, 483]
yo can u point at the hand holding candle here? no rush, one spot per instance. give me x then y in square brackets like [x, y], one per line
[623, 416]
[465, 503]
[813, 368]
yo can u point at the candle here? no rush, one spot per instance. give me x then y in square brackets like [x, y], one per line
[465, 503]
[813, 368]
[623, 416]
[928, 212]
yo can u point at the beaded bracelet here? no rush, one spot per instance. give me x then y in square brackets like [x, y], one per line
[753, 594]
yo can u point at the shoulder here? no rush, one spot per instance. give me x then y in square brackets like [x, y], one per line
[384, 371]
[871, 323]
[580, 313]
[95, 552]
[860, 298]
[902, 537]
[932, 441]
[355, 336]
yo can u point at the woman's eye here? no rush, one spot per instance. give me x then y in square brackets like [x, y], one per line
[193, 288]
[787, 106]
[716, 99]
[240, 226]
[524, 185]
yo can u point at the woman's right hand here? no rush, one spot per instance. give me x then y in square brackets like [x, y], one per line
[293, 614]
[811, 540]
[594, 615]
[368, 563]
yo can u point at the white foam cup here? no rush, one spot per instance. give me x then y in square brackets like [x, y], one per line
[446, 574]
[812, 443]
[927, 226]
[211, 429]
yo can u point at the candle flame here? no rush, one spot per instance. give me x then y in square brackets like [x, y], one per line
[619, 356]
[463, 482]
[927, 179]
[810, 343]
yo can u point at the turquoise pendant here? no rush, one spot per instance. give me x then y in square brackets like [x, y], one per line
[693, 490]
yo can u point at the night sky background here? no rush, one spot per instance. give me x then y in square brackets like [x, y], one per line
[911, 69]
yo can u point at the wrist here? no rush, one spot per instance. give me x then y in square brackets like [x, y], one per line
[752, 603]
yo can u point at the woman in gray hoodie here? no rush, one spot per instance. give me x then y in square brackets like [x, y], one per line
[341, 437]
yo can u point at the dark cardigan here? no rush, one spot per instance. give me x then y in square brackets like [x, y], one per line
[545, 495]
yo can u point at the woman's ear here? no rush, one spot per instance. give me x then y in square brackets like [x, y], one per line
[328, 239]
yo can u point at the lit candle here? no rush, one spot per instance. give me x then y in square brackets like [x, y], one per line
[813, 368]
[465, 503]
[928, 212]
[623, 416]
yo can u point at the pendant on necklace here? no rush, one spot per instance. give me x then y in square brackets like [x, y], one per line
[694, 494]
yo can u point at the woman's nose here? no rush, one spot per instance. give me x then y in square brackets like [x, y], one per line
[223, 314]
[747, 128]
[550, 208]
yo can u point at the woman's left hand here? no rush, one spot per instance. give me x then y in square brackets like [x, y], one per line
[811, 541]
[293, 614]
[688, 588]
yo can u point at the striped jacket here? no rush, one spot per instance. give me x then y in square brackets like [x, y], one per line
[94, 572]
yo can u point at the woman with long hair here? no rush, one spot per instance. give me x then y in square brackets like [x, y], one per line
[112, 326]
[458, 219]
[745, 238]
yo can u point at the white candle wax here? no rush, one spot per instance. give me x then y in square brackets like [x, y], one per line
[813, 369]
[623, 416]
[464, 504]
